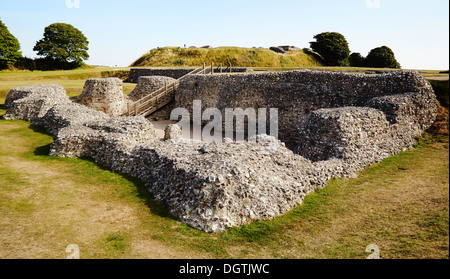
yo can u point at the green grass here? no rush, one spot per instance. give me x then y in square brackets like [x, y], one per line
[441, 88]
[238, 57]
[76, 74]
[72, 81]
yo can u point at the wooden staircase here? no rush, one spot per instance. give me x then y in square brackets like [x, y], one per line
[164, 95]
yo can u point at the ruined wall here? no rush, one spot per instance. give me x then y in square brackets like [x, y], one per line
[175, 73]
[346, 123]
[405, 97]
[105, 95]
[148, 84]
[25, 91]
[202, 185]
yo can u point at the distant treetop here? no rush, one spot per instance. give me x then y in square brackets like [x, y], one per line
[9, 47]
[64, 43]
[333, 47]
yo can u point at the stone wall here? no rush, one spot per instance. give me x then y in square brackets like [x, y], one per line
[25, 91]
[148, 84]
[104, 94]
[175, 73]
[346, 123]
[405, 97]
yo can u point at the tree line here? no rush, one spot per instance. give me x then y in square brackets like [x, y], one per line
[335, 51]
[63, 47]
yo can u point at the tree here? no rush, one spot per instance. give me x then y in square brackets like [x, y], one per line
[333, 47]
[382, 57]
[63, 43]
[9, 47]
[357, 60]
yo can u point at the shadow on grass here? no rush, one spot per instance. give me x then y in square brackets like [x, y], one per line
[2, 110]
[40, 129]
[42, 151]
[142, 191]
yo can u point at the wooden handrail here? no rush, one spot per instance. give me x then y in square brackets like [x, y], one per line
[162, 96]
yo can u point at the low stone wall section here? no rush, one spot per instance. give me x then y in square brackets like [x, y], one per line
[353, 134]
[175, 73]
[25, 91]
[33, 108]
[148, 84]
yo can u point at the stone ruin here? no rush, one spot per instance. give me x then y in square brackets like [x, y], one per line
[104, 94]
[146, 84]
[176, 73]
[283, 49]
[331, 125]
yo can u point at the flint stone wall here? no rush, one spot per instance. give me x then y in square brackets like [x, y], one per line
[25, 91]
[404, 97]
[213, 187]
[148, 84]
[175, 73]
[105, 95]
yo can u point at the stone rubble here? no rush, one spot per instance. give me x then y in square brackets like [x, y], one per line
[173, 132]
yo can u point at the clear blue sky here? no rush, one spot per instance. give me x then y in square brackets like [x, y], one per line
[121, 31]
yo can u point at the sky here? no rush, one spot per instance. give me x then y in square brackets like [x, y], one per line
[119, 32]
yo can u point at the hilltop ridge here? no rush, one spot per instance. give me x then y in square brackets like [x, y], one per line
[237, 56]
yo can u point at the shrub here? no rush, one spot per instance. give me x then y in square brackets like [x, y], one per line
[382, 57]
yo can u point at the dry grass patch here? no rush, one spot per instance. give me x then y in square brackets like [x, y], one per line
[48, 203]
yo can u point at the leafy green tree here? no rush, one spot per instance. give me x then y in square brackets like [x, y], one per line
[9, 47]
[63, 43]
[357, 60]
[382, 57]
[333, 47]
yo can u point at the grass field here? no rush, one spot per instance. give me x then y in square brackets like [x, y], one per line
[48, 203]
[73, 81]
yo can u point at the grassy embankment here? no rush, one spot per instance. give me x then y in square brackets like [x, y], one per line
[47, 203]
[238, 57]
